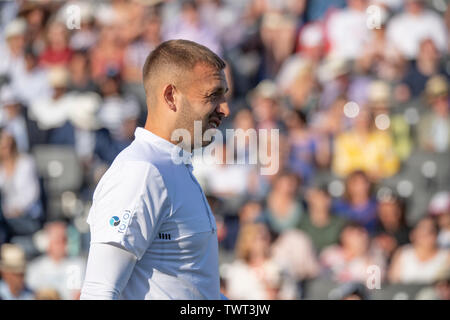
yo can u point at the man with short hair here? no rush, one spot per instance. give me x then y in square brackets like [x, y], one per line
[56, 269]
[407, 29]
[153, 235]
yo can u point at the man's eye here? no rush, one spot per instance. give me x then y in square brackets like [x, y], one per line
[213, 96]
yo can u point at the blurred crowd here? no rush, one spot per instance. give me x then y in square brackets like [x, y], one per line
[358, 89]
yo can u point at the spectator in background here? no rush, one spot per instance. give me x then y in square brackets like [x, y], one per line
[304, 147]
[422, 261]
[11, 117]
[35, 16]
[434, 126]
[249, 212]
[227, 181]
[320, 224]
[226, 20]
[349, 260]
[49, 115]
[296, 79]
[439, 208]
[277, 32]
[19, 186]
[308, 60]
[265, 105]
[366, 148]
[440, 290]
[12, 50]
[78, 68]
[391, 230]
[311, 42]
[55, 270]
[190, 26]
[347, 30]
[57, 51]
[243, 122]
[407, 29]
[12, 270]
[82, 128]
[32, 84]
[330, 122]
[107, 54]
[380, 57]
[389, 119]
[138, 50]
[426, 65]
[294, 254]
[136, 53]
[357, 204]
[116, 108]
[334, 74]
[254, 275]
[84, 38]
[283, 210]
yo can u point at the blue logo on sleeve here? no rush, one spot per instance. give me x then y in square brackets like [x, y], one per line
[114, 221]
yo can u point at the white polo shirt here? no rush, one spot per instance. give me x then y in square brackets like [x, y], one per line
[154, 208]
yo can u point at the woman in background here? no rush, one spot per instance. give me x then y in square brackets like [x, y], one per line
[422, 261]
[253, 275]
[19, 187]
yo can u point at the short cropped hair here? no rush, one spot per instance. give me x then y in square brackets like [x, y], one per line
[179, 55]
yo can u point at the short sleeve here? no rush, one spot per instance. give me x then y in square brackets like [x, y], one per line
[130, 203]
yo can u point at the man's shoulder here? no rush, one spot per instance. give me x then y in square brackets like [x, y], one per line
[137, 169]
[144, 153]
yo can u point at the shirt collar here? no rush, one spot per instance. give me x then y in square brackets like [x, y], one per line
[164, 145]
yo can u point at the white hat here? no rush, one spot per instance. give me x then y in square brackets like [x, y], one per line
[265, 89]
[16, 27]
[311, 35]
[440, 203]
[7, 96]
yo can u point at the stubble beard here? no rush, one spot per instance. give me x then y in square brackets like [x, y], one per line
[186, 121]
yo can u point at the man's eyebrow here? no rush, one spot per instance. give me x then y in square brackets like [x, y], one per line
[219, 89]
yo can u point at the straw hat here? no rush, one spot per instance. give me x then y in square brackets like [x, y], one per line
[436, 86]
[58, 77]
[379, 92]
[332, 68]
[12, 259]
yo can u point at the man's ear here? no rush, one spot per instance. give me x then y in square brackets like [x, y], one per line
[170, 96]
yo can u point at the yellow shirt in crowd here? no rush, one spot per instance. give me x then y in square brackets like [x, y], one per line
[373, 153]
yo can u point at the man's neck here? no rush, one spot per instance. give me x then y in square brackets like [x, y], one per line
[165, 134]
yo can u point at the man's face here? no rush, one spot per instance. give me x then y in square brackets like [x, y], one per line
[15, 280]
[203, 99]
[414, 6]
[318, 200]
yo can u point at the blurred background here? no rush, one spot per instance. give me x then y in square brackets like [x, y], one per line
[359, 89]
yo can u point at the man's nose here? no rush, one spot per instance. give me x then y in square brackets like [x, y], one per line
[223, 109]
